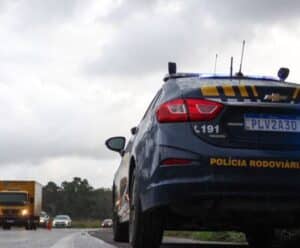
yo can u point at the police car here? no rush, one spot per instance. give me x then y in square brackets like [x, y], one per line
[212, 152]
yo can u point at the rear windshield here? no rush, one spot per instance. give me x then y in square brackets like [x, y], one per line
[43, 214]
[13, 198]
[188, 83]
[62, 217]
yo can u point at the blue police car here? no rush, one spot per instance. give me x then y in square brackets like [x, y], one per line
[212, 152]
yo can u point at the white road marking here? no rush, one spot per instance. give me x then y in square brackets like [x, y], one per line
[57, 238]
[81, 240]
[65, 242]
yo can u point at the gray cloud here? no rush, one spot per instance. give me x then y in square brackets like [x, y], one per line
[128, 8]
[47, 121]
[35, 14]
[253, 12]
[73, 73]
[146, 38]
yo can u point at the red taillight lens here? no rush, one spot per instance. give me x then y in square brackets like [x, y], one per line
[176, 161]
[173, 111]
[203, 110]
[180, 110]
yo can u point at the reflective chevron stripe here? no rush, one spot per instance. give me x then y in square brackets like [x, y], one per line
[209, 91]
[229, 91]
[243, 90]
[296, 93]
[249, 93]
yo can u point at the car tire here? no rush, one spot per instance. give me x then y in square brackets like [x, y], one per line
[6, 227]
[120, 230]
[145, 228]
[33, 226]
[260, 238]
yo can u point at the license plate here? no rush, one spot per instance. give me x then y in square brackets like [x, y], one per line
[272, 123]
[10, 221]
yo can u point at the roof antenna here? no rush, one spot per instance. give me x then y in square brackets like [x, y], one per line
[240, 74]
[231, 66]
[216, 62]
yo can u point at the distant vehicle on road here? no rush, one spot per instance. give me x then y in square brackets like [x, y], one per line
[44, 219]
[62, 221]
[107, 223]
[212, 152]
[20, 204]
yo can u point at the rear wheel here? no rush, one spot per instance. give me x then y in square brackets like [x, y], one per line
[6, 227]
[145, 228]
[33, 226]
[30, 225]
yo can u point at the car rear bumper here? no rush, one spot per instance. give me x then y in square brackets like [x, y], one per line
[185, 191]
[61, 225]
[196, 205]
[201, 190]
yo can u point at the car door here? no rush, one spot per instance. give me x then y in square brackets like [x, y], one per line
[121, 198]
[121, 184]
[144, 145]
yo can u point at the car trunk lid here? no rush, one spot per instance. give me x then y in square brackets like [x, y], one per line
[263, 116]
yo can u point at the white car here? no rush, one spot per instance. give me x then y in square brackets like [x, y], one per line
[62, 221]
[44, 219]
[107, 223]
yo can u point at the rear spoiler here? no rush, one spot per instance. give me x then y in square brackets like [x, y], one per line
[180, 75]
[173, 74]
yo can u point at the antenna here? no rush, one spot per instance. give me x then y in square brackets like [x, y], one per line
[240, 74]
[216, 61]
[231, 66]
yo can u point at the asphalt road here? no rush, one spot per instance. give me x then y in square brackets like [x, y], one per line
[97, 238]
[106, 235]
[57, 238]
[80, 238]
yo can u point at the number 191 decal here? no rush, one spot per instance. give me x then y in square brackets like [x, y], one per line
[207, 129]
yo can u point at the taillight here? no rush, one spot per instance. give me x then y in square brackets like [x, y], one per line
[180, 110]
[203, 110]
[172, 111]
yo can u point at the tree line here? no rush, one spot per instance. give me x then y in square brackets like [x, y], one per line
[78, 199]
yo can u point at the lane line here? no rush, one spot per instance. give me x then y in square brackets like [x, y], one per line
[81, 239]
[100, 241]
[64, 242]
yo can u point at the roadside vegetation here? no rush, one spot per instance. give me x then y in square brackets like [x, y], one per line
[93, 223]
[209, 236]
[77, 198]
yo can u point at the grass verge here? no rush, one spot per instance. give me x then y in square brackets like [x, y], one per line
[209, 236]
[86, 223]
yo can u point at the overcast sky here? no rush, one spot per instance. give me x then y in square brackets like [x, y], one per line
[74, 72]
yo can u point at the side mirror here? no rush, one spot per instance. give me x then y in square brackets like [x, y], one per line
[134, 130]
[116, 144]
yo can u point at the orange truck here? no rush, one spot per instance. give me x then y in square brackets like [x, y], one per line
[20, 204]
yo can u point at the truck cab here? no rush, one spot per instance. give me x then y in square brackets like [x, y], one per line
[20, 204]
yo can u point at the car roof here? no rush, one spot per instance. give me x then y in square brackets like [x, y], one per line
[218, 76]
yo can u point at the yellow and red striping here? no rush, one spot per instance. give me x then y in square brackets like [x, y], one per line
[248, 92]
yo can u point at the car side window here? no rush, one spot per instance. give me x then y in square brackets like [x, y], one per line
[152, 104]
